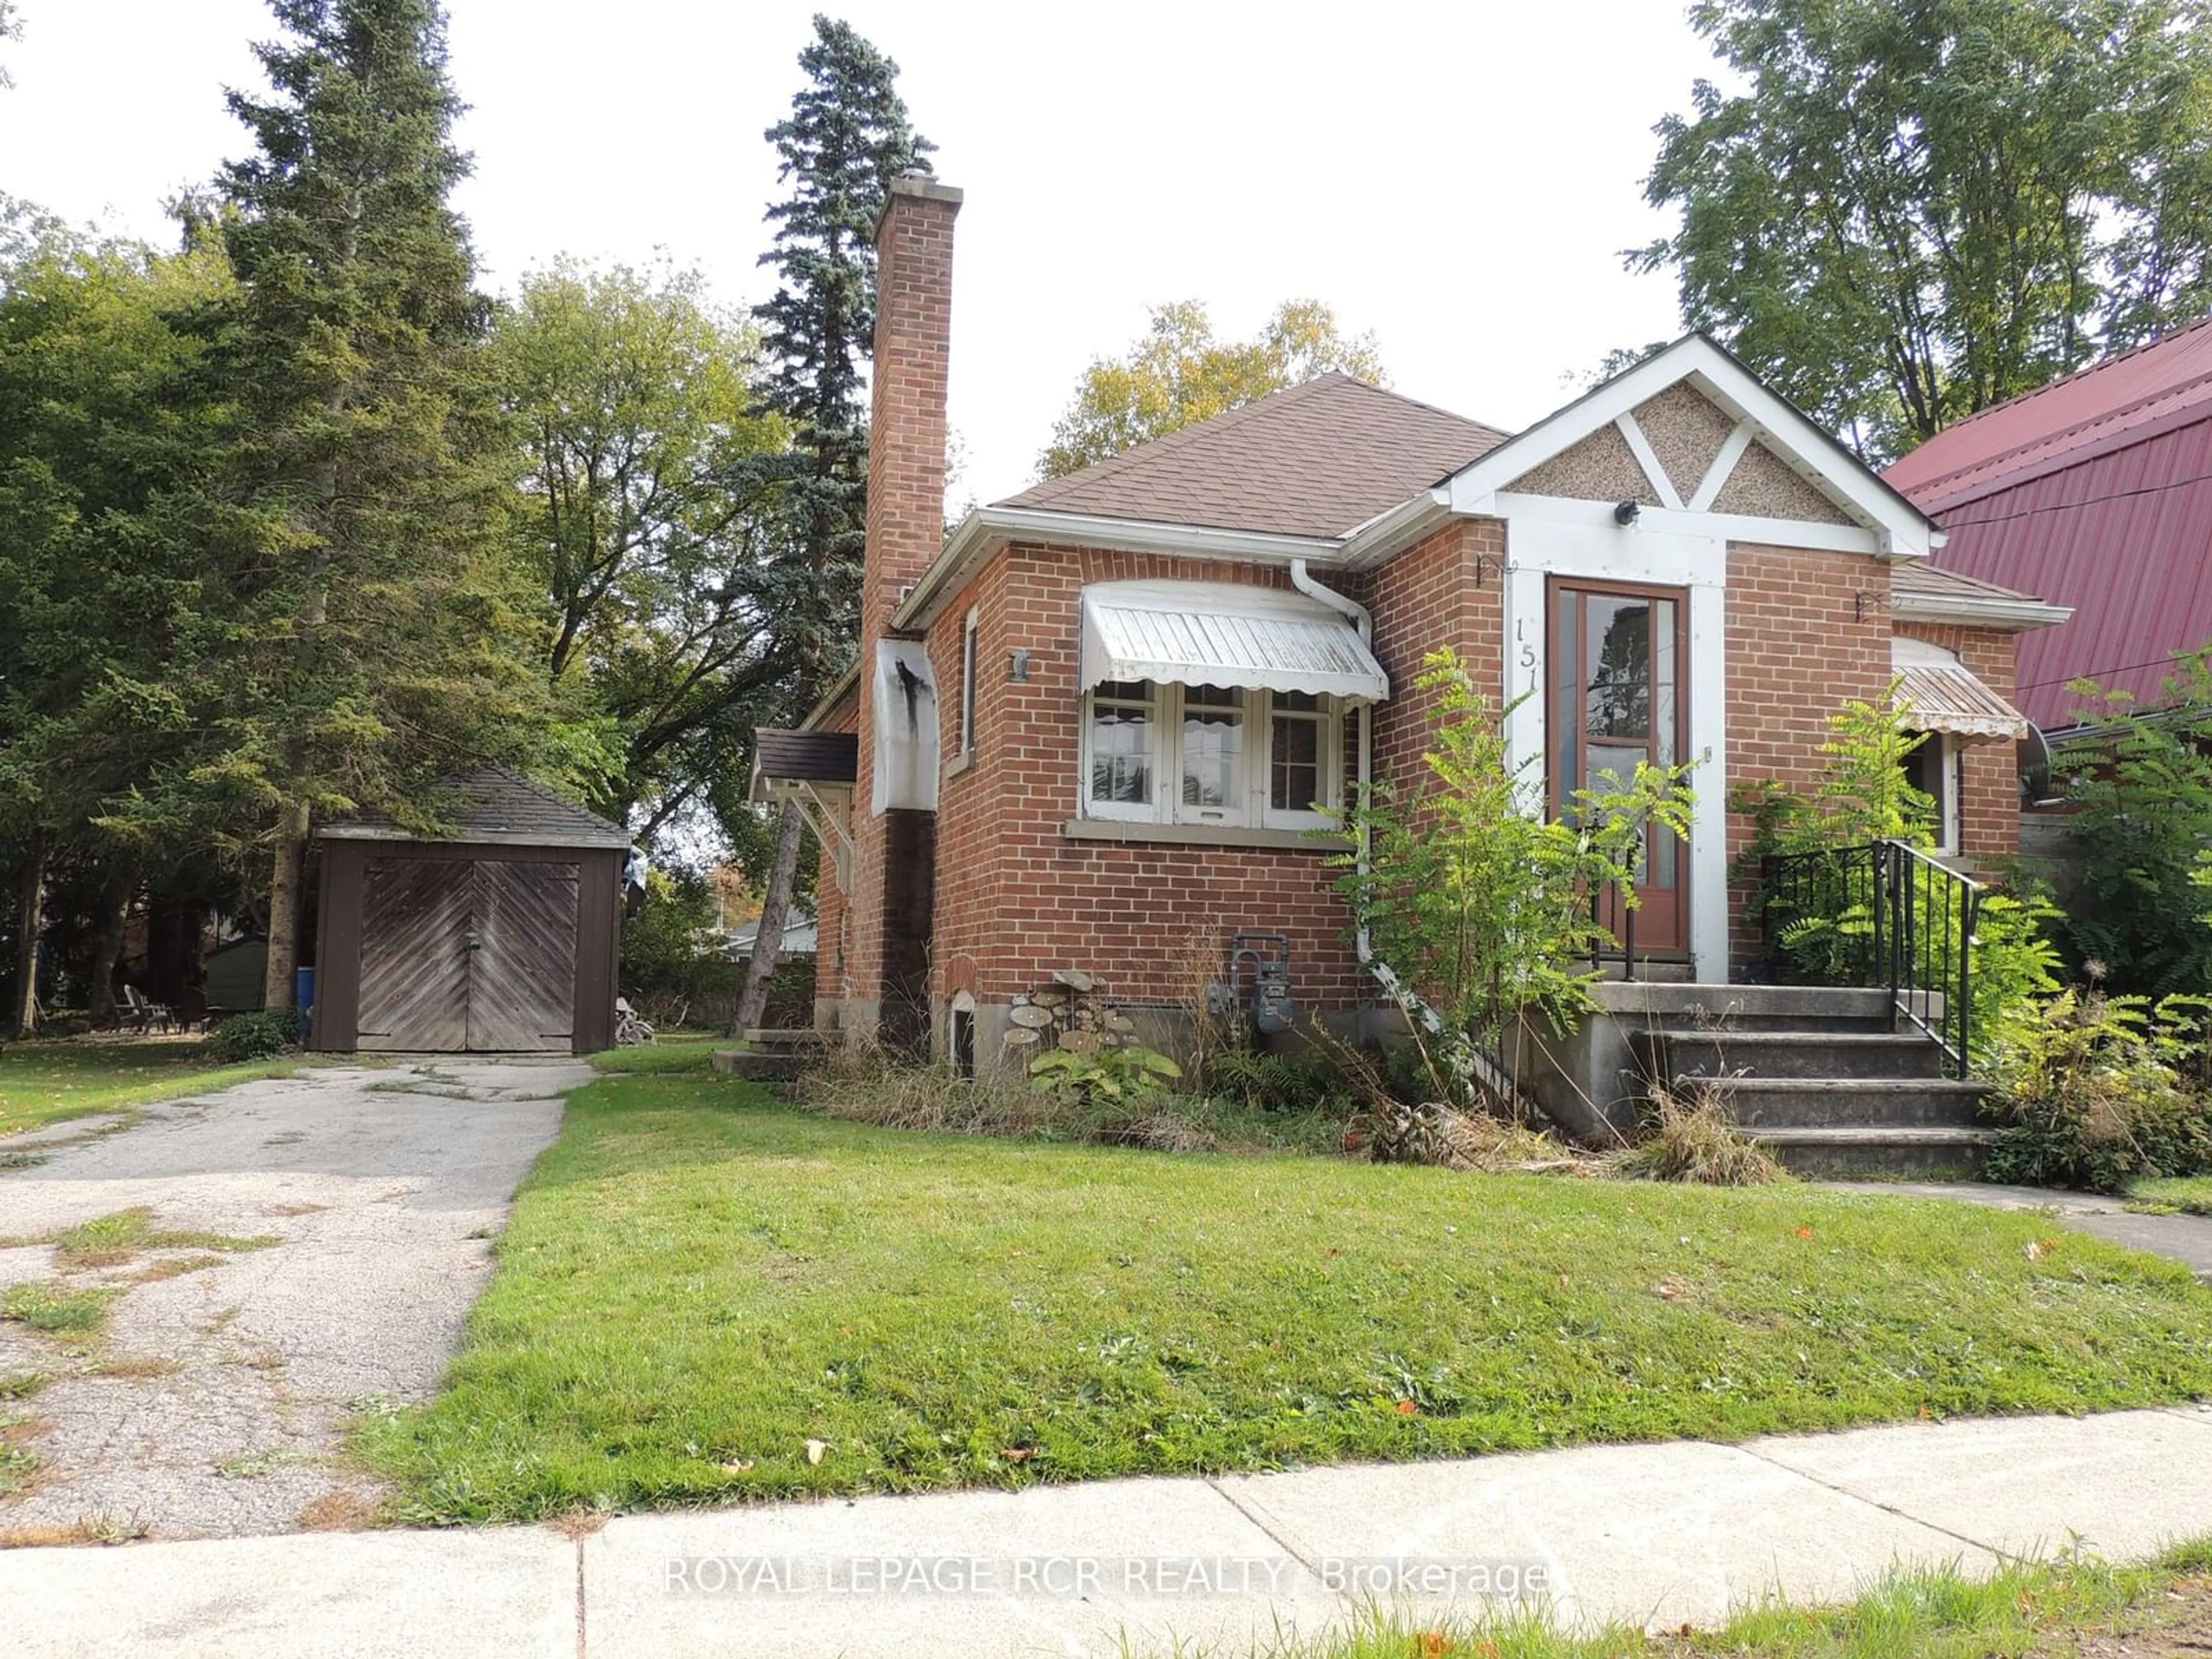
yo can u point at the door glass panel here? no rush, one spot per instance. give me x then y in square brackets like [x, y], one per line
[1662, 683]
[1566, 695]
[1613, 766]
[1617, 637]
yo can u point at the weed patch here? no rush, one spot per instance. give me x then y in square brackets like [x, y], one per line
[1694, 1137]
[46, 1306]
[111, 1241]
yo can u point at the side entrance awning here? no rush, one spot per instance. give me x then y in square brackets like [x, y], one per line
[1224, 633]
[816, 770]
[1936, 692]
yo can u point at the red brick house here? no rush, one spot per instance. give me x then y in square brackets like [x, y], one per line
[1094, 724]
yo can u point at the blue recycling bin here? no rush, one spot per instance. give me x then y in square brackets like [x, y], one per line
[303, 997]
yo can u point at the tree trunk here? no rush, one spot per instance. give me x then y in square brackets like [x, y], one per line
[109, 950]
[30, 917]
[775, 906]
[285, 875]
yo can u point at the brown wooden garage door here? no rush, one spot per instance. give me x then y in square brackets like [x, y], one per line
[460, 956]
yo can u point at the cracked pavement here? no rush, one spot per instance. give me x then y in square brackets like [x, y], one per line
[214, 1401]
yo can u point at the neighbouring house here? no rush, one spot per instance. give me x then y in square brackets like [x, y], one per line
[503, 936]
[800, 940]
[1095, 727]
[2094, 492]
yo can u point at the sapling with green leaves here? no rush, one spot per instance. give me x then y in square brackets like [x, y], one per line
[1472, 892]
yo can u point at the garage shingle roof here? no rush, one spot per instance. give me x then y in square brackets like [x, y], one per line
[492, 804]
[1319, 459]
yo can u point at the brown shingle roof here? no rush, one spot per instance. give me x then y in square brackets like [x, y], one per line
[1924, 580]
[1319, 459]
[494, 804]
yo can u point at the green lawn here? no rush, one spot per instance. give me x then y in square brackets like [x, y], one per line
[674, 1051]
[2045, 1609]
[2192, 1195]
[43, 1083]
[697, 1283]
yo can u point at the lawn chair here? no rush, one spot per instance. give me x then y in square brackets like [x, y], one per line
[135, 1012]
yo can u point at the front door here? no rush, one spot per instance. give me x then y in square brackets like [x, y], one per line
[1618, 694]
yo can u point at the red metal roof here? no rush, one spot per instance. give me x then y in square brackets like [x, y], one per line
[2094, 492]
[2120, 400]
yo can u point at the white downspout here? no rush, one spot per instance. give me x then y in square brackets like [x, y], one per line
[1303, 581]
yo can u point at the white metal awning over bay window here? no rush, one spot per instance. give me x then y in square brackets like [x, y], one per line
[1224, 633]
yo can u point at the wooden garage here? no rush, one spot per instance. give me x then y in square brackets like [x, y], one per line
[501, 938]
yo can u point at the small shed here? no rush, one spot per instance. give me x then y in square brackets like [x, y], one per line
[501, 938]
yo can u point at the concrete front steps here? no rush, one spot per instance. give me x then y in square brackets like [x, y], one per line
[1817, 1076]
[770, 1055]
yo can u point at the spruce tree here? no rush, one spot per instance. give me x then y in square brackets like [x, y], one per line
[847, 138]
[380, 614]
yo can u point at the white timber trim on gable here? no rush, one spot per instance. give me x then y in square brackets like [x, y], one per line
[1647, 458]
[1717, 475]
[1890, 524]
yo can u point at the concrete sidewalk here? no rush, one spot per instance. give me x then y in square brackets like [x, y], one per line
[1659, 1535]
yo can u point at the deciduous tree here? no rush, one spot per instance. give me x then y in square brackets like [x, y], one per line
[652, 513]
[99, 601]
[1911, 212]
[1179, 373]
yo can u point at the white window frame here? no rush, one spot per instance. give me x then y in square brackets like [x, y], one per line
[1332, 717]
[1254, 809]
[968, 676]
[1126, 810]
[1949, 759]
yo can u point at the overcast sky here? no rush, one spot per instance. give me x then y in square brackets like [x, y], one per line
[1459, 178]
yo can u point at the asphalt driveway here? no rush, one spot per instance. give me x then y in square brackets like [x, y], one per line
[343, 1220]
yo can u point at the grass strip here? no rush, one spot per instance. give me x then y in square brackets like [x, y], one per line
[44, 1083]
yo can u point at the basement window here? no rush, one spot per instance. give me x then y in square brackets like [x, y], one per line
[1157, 753]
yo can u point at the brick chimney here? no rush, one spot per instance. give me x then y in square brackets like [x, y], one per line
[891, 900]
[905, 427]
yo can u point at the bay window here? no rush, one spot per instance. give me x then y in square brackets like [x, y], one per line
[1161, 753]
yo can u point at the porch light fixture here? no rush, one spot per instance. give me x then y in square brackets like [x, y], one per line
[1018, 666]
[1626, 513]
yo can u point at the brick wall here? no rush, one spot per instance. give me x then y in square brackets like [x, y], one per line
[1447, 590]
[1017, 898]
[1807, 632]
[1989, 804]
[905, 524]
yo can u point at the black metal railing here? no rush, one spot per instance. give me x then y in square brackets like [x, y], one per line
[1929, 947]
[1886, 914]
